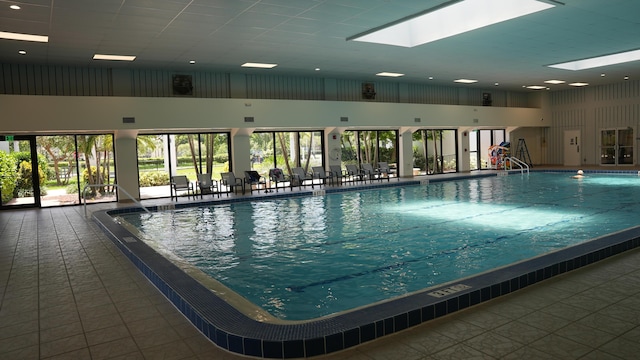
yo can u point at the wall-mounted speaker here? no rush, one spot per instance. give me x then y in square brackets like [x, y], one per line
[368, 91]
[182, 85]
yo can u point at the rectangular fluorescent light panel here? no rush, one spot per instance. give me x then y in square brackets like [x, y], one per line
[599, 61]
[579, 84]
[23, 37]
[465, 81]
[536, 87]
[114, 57]
[389, 74]
[259, 65]
[455, 17]
[555, 82]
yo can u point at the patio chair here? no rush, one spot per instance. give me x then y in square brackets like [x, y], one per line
[181, 183]
[299, 176]
[277, 176]
[207, 185]
[354, 173]
[384, 168]
[231, 182]
[252, 178]
[319, 173]
[368, 172]
[337, 174]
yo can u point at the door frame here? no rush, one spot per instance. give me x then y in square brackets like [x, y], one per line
[35, 177]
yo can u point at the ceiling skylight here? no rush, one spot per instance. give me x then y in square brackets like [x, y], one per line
[259, 65]
[594, 62]
[465, 81]
[23, 37]
[451, 18]
[389, 74]
[114, 57]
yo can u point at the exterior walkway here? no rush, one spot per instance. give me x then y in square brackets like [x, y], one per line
[66, 292]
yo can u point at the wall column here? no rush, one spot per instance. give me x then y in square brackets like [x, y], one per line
[126, 157]
[240, 152]
[405, 147]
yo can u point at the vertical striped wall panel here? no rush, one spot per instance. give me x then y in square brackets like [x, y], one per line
[424, 94]
[284, 87]
[31, 79]
[624, 90]
[568, 97]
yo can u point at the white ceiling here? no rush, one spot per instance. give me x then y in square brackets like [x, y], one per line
[301, 35]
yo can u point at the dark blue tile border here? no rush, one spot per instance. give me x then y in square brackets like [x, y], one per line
[231, 330]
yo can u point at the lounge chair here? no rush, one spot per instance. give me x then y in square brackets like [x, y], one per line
[354, 173]
[277, 176]
[368, 172]
[384, 168]
[336, 173]
[207, 185]
[252, 178]
[181, 183]
[298, 176]
[232, 183]
[319, 173]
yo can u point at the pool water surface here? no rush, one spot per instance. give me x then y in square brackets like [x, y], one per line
[308, 257]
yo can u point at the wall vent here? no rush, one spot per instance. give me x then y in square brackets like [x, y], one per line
[344, 118]
[128, 120]
[417, 120]
[248, 119]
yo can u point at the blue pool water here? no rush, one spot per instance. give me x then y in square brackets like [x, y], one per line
[307, 257]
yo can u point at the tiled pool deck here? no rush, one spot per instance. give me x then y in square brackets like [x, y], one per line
[69, 292]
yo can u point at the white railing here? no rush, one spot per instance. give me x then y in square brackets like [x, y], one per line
[512, 160]
[84, 190]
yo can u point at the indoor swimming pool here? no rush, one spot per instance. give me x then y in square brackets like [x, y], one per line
[324, 273]
[308, 257]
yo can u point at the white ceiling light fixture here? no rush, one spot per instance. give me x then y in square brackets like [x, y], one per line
[22, 52]
[448, 19]
[579, 84]
[594, 62]
[15, 7]
[23, 37]
[114, 57]
[259, 65]
[389, 74]
[554, 82]
[465, 81]
[536, 87]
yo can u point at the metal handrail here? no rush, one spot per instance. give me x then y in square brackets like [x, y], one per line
[523, 165]
[84, 190]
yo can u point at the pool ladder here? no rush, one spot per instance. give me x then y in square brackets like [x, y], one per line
[521, 164]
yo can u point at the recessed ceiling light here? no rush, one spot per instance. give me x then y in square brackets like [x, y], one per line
[22, 52]
[579, 84]
[114, 57]
[23, 37]
[389, 74]
[594, 62]
[317, 69]
[626, 78]
[465, 81]
[555, 82]
[430, 77]
[602, 75]
[451, 18]
[192, 62]
[536, 87]
[259, 65]
[15, 7]
[496, 84]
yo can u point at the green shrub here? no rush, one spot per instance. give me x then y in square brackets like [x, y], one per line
[153, 178]
[9, 176]
[24, 183]
[103, 175]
